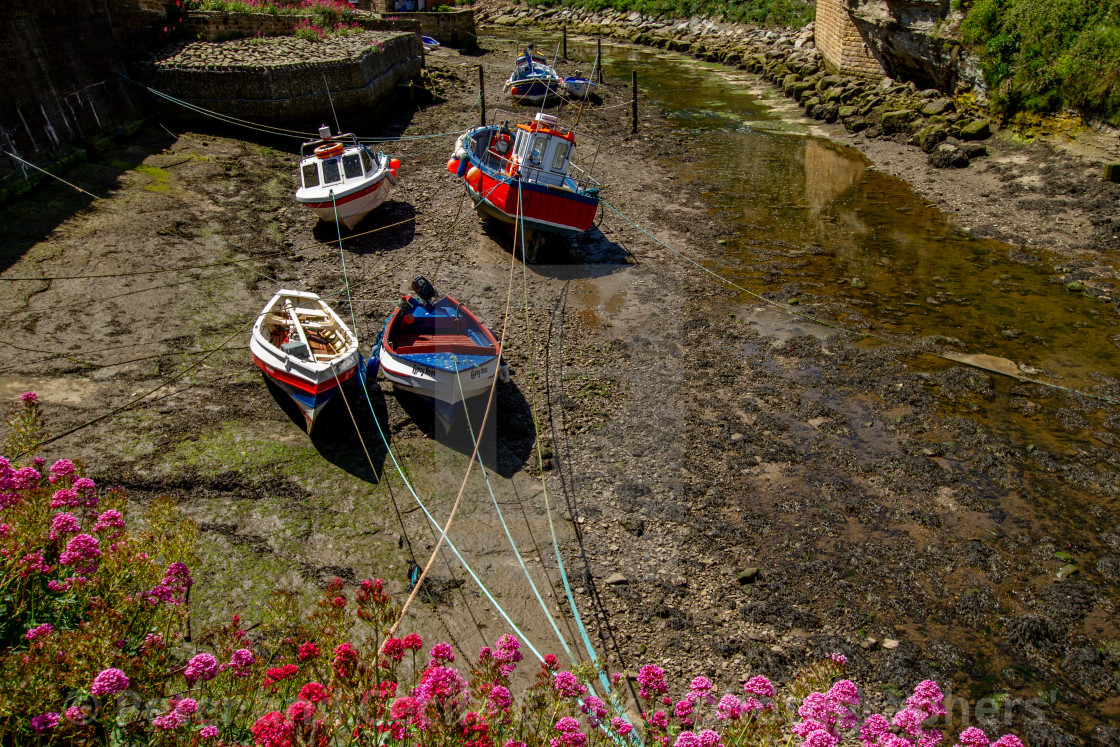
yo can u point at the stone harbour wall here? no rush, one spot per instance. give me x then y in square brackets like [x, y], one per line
[284, 80]
[60, 81]
[842, 46]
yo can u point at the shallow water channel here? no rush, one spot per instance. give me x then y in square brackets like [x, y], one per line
[809, 222]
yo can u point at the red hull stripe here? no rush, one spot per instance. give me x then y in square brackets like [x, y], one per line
[548, 206]
[302, 384]
[343, 200]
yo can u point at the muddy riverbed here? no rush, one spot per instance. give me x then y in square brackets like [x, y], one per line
[735, 489]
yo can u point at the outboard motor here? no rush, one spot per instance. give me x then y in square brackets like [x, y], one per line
[423, 289]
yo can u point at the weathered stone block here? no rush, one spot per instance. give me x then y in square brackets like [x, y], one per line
[938, 106]
[896, 121]
[978, 129]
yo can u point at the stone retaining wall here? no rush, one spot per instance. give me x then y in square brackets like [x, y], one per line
[843, 47]
[59, 80]
[289, 93]
[453, 28]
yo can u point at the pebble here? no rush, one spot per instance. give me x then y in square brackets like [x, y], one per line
[889, 643]
[617, 579]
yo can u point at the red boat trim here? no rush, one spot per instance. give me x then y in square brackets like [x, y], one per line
[301, 384]
[345, 198]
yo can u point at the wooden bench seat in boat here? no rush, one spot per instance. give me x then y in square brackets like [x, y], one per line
[429, 342]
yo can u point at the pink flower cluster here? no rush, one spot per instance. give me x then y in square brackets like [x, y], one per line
[15, 482]
[651, 681]
[201, 667]
[109, 682]
[824, 714]
[570, 735]
[81, 552]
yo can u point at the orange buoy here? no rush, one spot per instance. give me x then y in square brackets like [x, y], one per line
[514, 92]
[474, 177]
[393, 172]
[394, 163]
[329, 151]
[453, 166]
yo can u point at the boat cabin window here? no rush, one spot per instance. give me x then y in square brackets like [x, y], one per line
[330, 171]
[561, 155]
[311, 175]
[537, 155]
[366, 161]
[353, 166]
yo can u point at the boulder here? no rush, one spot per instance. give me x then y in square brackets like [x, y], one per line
[974, 150]
[798, 90]
[896, 121]
[977, 129]
[938, 106]
[829, 81]
[788, 83]
[846, 112]
[930, 136]
[948, 155]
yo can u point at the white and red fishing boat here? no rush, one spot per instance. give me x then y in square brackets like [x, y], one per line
[433, 346]
[302, 345]
[341, 177]
[527, 175]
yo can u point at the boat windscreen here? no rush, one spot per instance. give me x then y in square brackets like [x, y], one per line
[311, 174]
[330, 171]
[366, 161]
[352, 165]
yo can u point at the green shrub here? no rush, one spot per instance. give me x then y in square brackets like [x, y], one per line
[763, 12]
[1044, 55]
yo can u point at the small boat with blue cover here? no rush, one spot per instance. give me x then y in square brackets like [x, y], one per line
[533, 80]
[435, 347]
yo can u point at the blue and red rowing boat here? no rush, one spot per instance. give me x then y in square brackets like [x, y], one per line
[303, 346]
[527, 176]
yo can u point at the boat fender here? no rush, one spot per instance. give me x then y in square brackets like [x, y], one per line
[453, 166]
[393, 173]
[394, 163]
[409, 318]
[460, 152]
[514, 92]
[461, 168]
[474, 178]
[503, 372]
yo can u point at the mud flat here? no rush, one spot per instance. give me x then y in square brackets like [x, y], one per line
[735, 490]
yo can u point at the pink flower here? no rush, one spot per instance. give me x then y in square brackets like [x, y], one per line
[651, 681]
[301, 710]
[28, 397]
[201, 667]
[759, 686]
[844, 692]
[109, 520]
[64, 498]
[44, 721]
[709, 738]
[109, 682]
[595, 709]
[208, 732]
[272, 730]
[314, 692]
[910, 721]
[393, 648]
[701, 687]
[571, 735]
[240, 662]
[76, 715]
[441, 653]
[61, 469]
[1008, 740]
[820, 738]
[499, 699]
[39, 631]
[729, 708]
[169, 721]
[874, 727]
[345, 660]
[621, 725]
[34, 563]
[64, 523]
[928, 697]
[973, 737]
[85, 489]
[567, 685]
[186, 706]
[687, 739]
[413, 642]
[81, 552]
[683, 708]
[507, 652]
[308, 651]
[658, 720]
[402, 708]
[838, 658]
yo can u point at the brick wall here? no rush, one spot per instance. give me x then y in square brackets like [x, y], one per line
[839, 40]
[59, 79]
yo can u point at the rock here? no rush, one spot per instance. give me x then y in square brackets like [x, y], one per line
[869, 644]
[889, 644]
[846, 112]
[798, 90]
[937, 107]
[977, 129]
[788, 83]
[1067, 570]
[929, 93]
[946, 155]
[829, 81]
[1112, 172]
[834, 95]
[1075, 286]
[617, 579]
[896, 121]
[747, 576]
[930, 136]
[975, 150]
